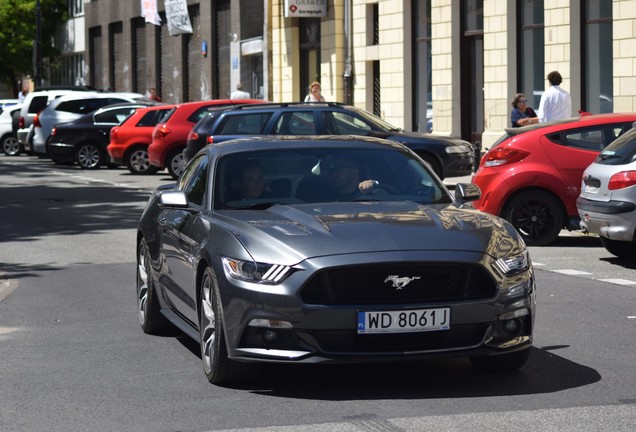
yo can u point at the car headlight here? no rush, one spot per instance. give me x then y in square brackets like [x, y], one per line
[252, 271]
[513, 265]
[459, 149]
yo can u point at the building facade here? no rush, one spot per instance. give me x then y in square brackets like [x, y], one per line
[457, 62]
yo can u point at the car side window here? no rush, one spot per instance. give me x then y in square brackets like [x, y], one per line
[346, 124]
[193, 181]
[296, 123]
[596, 138]
[243, 124]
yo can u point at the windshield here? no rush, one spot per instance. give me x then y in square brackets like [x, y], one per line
[621, 151]
[259, 179]
[378, 122]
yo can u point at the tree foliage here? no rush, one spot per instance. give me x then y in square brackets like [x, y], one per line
[17, 36]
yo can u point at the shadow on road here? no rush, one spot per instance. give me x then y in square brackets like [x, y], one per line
[429, 379]
[545, 372]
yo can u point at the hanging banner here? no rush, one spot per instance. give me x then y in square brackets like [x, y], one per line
[305, 8]
[149, 12]
[177, 16]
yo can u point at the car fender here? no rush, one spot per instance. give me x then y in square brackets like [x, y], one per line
[538, 180]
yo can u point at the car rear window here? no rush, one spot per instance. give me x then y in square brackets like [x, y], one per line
[621, 151]
[38, 103]
[203, 111]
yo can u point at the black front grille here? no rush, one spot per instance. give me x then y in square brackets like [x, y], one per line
[343, 341]
[370, 284]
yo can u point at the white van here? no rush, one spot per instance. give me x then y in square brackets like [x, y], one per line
[34, 103]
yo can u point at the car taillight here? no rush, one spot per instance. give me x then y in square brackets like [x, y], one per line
[113, 133]
[36, 121]
[210, 139]
[53, 131]
[161, 132]
[504, 155]
[21, 122]
[622, 180]
[193, 136]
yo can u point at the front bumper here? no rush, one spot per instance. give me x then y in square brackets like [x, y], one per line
[459, 164]
[315, 333]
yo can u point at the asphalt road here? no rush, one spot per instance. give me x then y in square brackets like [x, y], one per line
[73, 358]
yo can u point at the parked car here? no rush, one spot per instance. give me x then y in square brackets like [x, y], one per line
[299, 273]
[35, 102]
[130, 140]
[8, 139]
[5, 103]
[448, 157]
[85, 139]
[71, 107]
[607, 203]
[532, 175]
[169, 137]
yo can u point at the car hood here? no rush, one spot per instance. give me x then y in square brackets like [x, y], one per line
[294, 233]
[415, 136]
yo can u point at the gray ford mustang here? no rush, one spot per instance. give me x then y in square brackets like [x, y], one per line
[330, 249]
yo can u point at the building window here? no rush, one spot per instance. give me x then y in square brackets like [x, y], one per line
[376, 89]
[597, 57]
[472, 70]
[373, 24]
[75, 8]
[530, 66]
[422, 67]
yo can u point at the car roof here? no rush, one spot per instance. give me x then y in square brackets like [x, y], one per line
[583, 120]
[270, 142]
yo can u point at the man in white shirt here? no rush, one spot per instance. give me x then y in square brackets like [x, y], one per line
[239, 93]
[556, 103]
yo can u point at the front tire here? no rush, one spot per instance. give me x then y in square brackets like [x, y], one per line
[150, 317]
[502, 362]
[218, 368]
[536, 215]
[621, 249]
[89, 156]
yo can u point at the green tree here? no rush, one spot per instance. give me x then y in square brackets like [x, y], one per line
[17, 36]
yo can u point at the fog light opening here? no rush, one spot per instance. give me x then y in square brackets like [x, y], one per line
[512, 327]
[270, 336]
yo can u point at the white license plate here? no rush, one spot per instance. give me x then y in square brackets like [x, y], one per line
[404, 321]
[591, 189]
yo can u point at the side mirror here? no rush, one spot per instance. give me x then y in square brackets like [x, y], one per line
[465, 192]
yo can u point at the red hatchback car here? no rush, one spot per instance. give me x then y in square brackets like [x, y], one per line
[169, 138]
[130, 140]
[532, 175]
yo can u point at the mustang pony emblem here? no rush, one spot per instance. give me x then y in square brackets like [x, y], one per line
[400, 282]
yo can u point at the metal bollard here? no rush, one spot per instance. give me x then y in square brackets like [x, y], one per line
[477, 152]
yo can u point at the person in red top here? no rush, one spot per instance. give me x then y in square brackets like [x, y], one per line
[152, 94]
